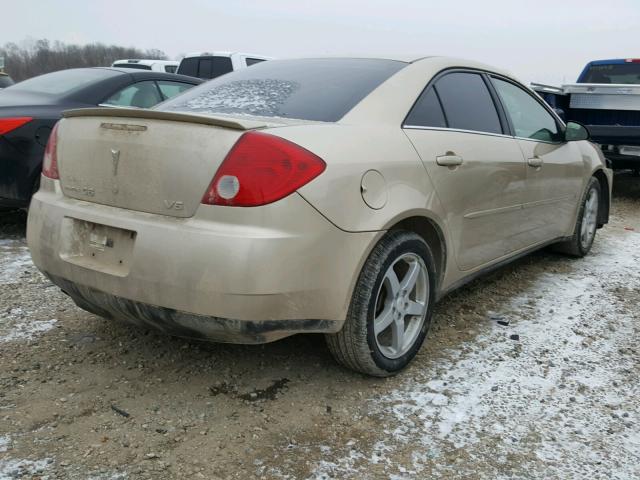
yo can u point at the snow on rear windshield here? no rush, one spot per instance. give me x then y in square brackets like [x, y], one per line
[251, 97]
[310, 89]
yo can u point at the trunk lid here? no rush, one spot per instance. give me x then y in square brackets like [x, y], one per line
[144, 160]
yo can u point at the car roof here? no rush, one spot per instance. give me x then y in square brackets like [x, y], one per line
[613, 61]
[453, 62]
[150, 74]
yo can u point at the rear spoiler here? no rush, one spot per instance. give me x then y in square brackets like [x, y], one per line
[218, 121]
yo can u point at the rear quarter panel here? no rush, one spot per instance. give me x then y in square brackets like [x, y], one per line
[350, 152]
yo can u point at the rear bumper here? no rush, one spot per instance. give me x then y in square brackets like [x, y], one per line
[268, 269]
[188, 325]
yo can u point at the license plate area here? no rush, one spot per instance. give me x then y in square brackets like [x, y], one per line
[97, 247]
[628, 150]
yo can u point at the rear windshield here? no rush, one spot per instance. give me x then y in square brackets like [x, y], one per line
[309, 89]
[64, 81]
[626, 73]
[137, 66]
[205, 67]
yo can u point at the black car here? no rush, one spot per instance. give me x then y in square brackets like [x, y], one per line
[30, 109]
[5, 80]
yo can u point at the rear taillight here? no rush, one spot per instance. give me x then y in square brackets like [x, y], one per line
[50, 160]
[632, 60]
[10, 124]
[261, 169]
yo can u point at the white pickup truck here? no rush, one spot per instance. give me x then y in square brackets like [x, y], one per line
[168, 66]
[606, 99]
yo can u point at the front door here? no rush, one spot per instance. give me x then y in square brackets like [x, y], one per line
[555, 168]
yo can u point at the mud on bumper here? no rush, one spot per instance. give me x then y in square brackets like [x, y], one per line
[184, 324]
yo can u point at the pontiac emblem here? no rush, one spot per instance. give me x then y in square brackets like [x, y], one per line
[115, 158]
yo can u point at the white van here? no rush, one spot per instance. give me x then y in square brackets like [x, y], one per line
[169, 66]
[209, 65]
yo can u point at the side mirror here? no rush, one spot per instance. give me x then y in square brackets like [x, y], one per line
[576, 131]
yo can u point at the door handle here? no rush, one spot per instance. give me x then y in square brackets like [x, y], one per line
[449, 160]
[535, 162]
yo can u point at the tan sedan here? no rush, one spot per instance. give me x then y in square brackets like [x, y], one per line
[341, 196]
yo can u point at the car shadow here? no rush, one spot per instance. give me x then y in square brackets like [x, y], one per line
[13, 223]
[626, 185]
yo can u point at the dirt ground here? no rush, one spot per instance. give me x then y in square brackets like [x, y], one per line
[530, 372]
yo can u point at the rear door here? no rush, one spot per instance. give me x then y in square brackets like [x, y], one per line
[477, 169]
[555, 168]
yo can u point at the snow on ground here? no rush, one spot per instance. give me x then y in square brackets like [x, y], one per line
[19, 325]
[5, 440]
[11, 469]
[14, 257]
[542, 389]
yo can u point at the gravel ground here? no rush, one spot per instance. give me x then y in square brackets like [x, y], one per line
[530, 372]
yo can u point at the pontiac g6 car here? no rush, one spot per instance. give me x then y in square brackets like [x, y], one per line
[341, 196]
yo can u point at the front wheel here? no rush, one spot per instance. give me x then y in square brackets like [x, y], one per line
[391, 307]
[587, 223]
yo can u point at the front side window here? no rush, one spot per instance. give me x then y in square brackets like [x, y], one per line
[171, 89]
[529, 118]
[467, 103]
[140, 95]
[427, 111]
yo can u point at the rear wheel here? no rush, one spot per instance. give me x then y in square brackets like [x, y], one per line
[587, 223]
[391, 307]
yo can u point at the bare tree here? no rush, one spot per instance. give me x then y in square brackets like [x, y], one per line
[35, 57]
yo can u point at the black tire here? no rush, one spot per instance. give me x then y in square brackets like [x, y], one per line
[356, 346]
[576, 247]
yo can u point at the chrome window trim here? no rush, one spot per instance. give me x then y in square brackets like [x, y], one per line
[539, 141]
[457, 130]
[476, 132]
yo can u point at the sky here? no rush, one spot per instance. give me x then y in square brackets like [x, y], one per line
[543, 41]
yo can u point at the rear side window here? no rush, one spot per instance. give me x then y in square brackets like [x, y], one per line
[253, 61]
[467, 103]
[171, 89]
[322, 89]
[170, 68]
[140, 95]
[427, 112]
